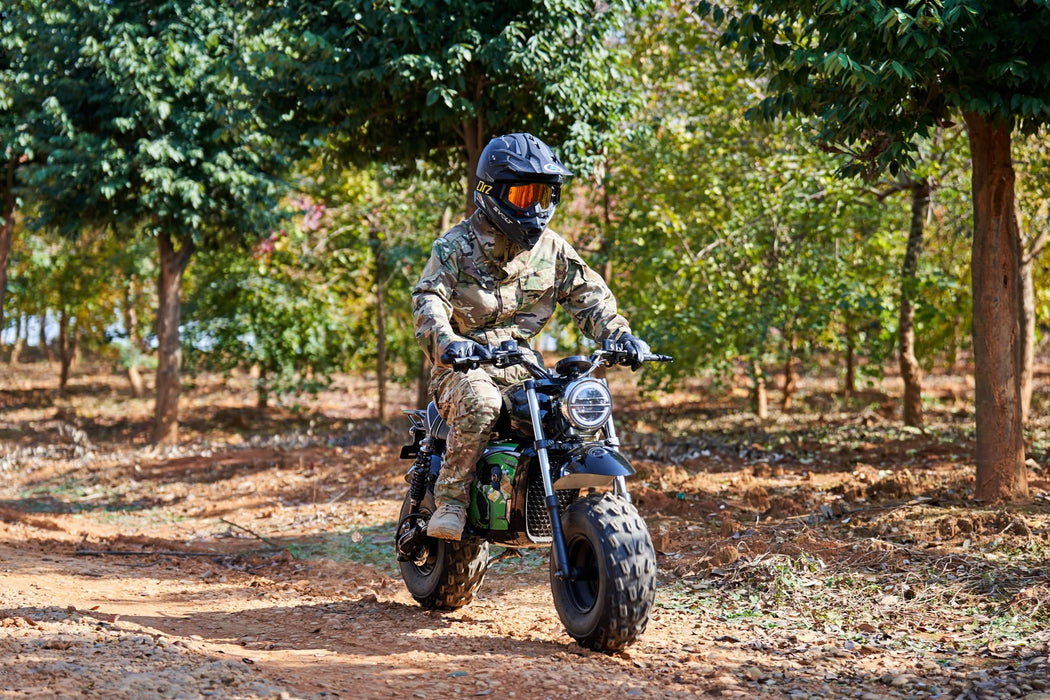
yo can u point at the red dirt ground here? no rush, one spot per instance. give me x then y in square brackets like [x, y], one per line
[254, 560]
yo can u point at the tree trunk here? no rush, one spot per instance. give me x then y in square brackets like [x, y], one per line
[43, 337]
[7, 226]
[21, 328]
[423, 382]
[1029, 254]
[65, 350]
[262, 390]
[138, 387]
[849, 386]
[380, 278]
[608, 234]
[169, 310]
[131, 327]
[75, 355]
[790, 381]
[759, 394]
[474, 142]
[131, 317]
[911, 373]
[996, 262]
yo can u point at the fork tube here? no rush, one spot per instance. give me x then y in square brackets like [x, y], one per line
[620, 483]
[561, 557]
[610, 435]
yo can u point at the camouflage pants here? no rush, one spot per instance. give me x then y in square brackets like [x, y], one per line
[470, 402]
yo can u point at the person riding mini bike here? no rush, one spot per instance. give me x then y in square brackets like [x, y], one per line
[498, 276]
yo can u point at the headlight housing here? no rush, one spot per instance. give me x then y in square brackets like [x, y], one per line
[587, 404]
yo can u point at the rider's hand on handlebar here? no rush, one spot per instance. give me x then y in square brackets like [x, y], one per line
[636, 347]
[462, 349]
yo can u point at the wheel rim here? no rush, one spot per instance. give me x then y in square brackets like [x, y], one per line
[425, 564]
[426, 557]
[582, 589]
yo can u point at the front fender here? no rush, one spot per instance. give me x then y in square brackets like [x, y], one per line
[591, 466]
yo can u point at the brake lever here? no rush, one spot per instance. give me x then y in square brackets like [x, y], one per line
[506, 360]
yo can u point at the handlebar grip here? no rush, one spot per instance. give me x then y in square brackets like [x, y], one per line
[461, 364]
[659, 358]
[454, 362]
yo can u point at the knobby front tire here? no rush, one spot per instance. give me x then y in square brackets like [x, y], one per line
[606, 606]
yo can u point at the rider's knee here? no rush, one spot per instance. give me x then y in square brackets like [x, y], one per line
[479, 406]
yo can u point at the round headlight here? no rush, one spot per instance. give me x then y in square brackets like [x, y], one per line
[587, 403]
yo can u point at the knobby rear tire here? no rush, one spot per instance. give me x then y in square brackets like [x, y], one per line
[607, 606]
[451, 575]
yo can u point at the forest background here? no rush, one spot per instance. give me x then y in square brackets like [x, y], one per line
[207, 186]
[832, 214]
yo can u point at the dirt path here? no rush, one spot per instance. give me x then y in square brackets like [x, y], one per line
[257, 563]
[89, 608]
[176, 626]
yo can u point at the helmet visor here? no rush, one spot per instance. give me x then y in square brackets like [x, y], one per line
[526, 195]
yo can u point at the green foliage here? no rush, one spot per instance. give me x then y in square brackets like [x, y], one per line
[381, 224]
[732, 239]
[152, 118]
[79, 279]
[877, 76]
[874, 78]
[944, 303]
[35, 36]
[405, 78]
[738, 239]
[1033, 203]
[302, 303]
[271, 309]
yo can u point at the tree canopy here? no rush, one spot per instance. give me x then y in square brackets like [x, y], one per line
[877, 76]
[397, 81]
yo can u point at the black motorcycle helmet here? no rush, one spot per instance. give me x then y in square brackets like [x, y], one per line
[518, 186]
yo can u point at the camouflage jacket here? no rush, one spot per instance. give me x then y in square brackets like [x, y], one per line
[477, 286]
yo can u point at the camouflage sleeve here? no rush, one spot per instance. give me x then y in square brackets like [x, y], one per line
[584, 294]
[431, 302]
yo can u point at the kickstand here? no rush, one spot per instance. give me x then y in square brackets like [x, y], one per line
[505, 554]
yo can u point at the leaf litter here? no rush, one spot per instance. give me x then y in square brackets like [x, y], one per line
[830, 555]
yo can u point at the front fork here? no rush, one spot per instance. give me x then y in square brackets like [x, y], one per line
[561, 556]
[620, 483]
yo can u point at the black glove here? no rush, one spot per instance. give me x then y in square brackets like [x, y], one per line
[636, 347]
[459, 349]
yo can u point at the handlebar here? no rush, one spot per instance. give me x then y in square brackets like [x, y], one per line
[509, 354]
[506, 355]
[497, 359]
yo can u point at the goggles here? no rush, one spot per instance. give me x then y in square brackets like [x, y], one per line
[525, 195]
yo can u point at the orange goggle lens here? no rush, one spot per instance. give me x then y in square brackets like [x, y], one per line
[524, 196]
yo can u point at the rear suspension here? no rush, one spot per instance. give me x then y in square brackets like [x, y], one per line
[420, 473]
